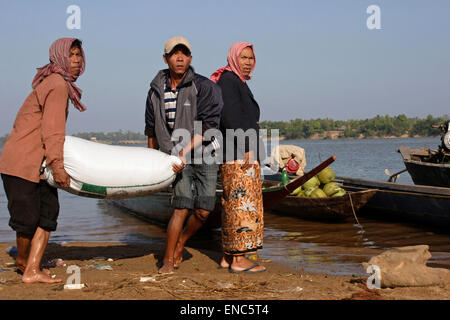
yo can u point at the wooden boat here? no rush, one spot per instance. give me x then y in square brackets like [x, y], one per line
[333, 209]
[157, 208]
[153, 208]
[426, 205]
[430, 167]
[427, 167]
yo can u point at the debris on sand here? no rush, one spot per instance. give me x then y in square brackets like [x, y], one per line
[74, 286]
[147, 279]
[53, 263]
[12, 251]
[101, 266]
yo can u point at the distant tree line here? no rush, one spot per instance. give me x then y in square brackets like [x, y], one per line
[110, 137]
[380, 126]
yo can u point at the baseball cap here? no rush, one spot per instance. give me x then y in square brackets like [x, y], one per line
[173, 42]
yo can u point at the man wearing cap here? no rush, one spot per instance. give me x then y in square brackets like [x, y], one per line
[177, 97]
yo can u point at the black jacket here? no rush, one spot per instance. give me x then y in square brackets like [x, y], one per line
[198, 99]
[240, 111]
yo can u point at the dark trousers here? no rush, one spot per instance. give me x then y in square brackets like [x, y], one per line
[31, 205]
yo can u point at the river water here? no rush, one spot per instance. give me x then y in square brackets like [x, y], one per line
[333, 248]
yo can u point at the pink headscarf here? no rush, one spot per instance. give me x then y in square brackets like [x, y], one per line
[233, 62]
[59, 63]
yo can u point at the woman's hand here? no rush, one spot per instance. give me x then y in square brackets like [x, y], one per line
[249, 160]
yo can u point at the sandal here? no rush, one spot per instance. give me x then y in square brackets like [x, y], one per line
[248, 270]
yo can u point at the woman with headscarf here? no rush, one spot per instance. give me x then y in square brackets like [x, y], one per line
[242, 216]
[38, 134]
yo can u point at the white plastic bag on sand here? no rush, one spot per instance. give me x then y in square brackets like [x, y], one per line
[112, 172]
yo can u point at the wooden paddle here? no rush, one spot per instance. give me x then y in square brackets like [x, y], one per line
[273, 197]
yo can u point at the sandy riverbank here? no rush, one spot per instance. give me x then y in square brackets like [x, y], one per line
[198, 278]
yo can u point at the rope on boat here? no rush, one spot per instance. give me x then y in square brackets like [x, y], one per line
[354, 213]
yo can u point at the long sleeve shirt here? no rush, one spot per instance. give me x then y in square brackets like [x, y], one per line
[38, 132]
[240, 111]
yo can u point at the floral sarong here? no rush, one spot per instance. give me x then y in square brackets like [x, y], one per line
[242, 215]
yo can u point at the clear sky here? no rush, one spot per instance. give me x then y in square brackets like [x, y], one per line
[314, 59]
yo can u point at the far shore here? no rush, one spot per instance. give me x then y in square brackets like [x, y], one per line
[327, 136]
[324, 136]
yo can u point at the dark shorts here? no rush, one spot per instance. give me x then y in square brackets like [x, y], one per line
[195, 187]
[31, 205]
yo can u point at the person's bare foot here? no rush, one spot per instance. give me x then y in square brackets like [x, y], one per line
[38, 277]
[21, 269]
[178, 256]
[21, 266]
[178, 261]
[166, 269]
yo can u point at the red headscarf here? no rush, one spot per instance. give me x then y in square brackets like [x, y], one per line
[233, 62]
[59, 63]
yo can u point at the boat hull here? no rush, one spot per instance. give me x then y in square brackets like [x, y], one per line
[333, 209]
[425, 205]
[157, 208]
[427, 167]
[430, 174]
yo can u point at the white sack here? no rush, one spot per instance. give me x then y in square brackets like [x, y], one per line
[111, 172]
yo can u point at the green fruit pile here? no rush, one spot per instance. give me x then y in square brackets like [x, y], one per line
[320, 186]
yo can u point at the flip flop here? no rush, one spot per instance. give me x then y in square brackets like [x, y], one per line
[248, 269]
